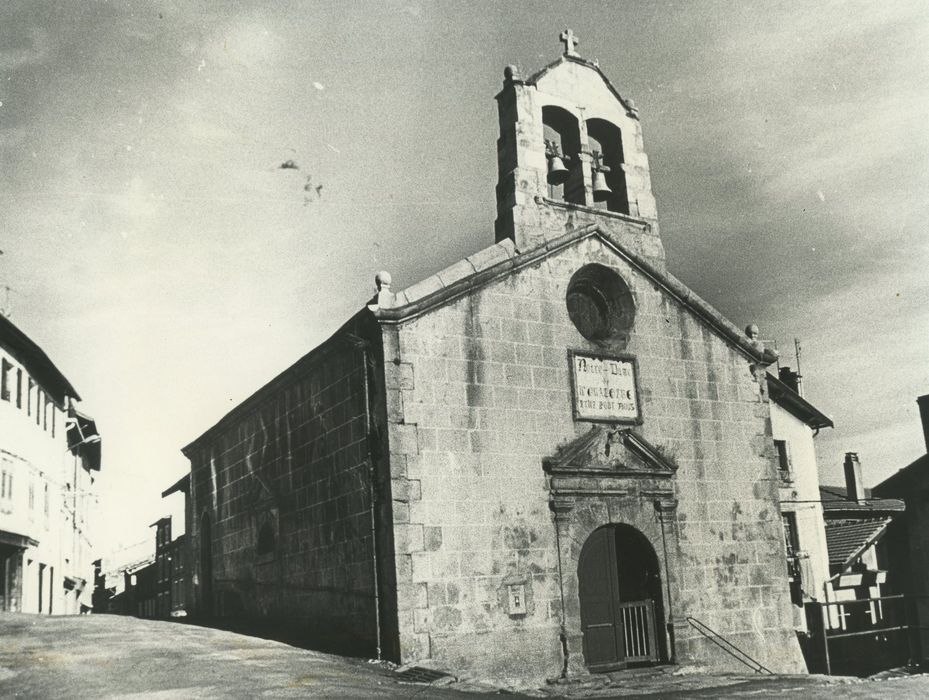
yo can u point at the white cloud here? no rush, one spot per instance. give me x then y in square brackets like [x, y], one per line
[36, 52]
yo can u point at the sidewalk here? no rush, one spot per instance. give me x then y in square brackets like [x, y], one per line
[687, 682]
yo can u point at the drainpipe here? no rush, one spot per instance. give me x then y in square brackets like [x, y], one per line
[362, 344]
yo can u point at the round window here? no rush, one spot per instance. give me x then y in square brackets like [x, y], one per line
[600, 305]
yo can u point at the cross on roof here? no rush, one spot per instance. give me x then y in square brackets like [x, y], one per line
[570, 42]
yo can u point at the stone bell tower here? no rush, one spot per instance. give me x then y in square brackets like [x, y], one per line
[570, 153]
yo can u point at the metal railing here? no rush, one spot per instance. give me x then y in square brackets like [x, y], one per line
[876, 629]
[728, 646]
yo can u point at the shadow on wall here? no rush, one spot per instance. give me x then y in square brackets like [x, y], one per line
[281, 625]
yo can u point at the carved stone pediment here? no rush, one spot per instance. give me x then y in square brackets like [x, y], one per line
[615, 452]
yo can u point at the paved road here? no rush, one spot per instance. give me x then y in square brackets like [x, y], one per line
[107, 656]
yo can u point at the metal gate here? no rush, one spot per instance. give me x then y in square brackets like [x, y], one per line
[639, 630]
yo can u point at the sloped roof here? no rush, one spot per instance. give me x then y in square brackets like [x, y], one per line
[899, 484]
[500, 259]
[182, 485]
[796, 405]
[846, 540]
[24, 349]
[835, 501]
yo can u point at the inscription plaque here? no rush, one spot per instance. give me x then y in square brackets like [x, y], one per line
[605, 388]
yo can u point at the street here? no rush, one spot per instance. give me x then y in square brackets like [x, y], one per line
[108, 656]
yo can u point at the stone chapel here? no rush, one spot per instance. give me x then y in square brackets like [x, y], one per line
[549, 459]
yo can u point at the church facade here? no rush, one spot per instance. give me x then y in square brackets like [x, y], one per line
[550, 458]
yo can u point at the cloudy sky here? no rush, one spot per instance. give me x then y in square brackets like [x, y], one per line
[159, 254]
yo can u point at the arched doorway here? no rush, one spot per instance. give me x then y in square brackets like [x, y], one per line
[619, 586]
[206, 567]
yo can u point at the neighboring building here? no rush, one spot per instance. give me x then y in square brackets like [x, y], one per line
[113, 581]
[855, 524]
[171, 567]
[548, 458]
[120, 588]
[178, 552]
[795, 422]
[908, 538]
[144, 588]
[155, 585]
[865, 625]
[49, 454]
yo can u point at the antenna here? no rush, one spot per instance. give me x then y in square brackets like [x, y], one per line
[797, 351]
[7, 308]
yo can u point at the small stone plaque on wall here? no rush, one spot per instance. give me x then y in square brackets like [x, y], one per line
[605, 388]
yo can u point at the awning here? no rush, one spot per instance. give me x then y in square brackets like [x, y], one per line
[11, 539]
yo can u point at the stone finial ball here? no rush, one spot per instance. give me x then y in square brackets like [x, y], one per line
[751, 330]
[510, 72]
[382, 280]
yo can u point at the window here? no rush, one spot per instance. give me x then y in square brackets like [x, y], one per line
[19, 388]
[46, 504]
[6, 370]
[265, 539]
[784, 469]
[6, 485]
[600, 305]
[792, 544]
[29, 394]
[39, 402]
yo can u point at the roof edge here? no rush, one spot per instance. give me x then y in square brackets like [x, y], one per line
[870, 540]
[796, 405]
[256, 397]
[33, 357]
[182, 484]
[533, 79]
[674, 287]
[904, 474]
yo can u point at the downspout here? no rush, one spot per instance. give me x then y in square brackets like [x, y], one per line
[363, 345]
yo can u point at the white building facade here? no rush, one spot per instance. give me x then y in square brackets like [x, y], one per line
[49, 457]
[794, 424]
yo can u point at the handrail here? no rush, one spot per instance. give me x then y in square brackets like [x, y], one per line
[728, 646]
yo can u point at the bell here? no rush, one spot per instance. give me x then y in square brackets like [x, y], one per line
[557, 172]
[602, 190]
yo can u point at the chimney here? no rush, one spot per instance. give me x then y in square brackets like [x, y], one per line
[790, 378]
[923, 402]
[853, 485]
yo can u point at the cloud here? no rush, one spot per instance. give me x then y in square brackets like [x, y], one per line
[36, 51]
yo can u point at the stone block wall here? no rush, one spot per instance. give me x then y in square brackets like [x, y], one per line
[479, 394]
[292, 462]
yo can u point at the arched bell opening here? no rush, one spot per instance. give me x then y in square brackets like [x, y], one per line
[609, 180]
[619, 590]
[564, 175]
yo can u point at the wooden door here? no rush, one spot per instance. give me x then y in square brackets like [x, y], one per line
[598, 589]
